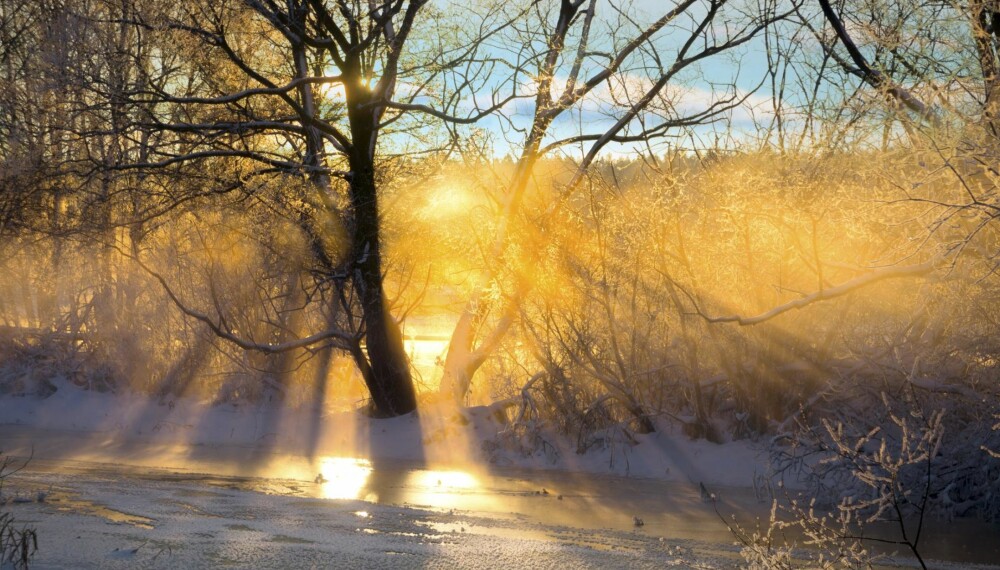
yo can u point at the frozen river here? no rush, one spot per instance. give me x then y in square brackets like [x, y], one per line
[210, 506]
[103, 516]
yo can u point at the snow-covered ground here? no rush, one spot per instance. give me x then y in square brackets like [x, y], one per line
[459, 437]
[131, 483]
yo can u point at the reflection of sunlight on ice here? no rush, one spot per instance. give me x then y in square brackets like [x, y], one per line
[444, 479]
[344, 477]
[445, 489]
[348, 478]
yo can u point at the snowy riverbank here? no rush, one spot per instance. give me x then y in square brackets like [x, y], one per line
[131, 483]
[464, 437]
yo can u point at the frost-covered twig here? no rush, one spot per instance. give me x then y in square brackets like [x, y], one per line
[17, 545]
[993, 452]
[893, 272]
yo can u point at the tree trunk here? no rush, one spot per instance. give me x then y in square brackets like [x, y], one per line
[389, 380]
[464, 359]
[986, 33]
[459, 365]
[383, 364]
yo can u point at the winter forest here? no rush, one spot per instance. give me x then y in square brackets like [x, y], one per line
[541, 283]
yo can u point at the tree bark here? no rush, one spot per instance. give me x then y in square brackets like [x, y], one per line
[986, 33]
[388, 378]
[383, 364]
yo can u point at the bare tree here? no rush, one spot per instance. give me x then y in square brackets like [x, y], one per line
[266, 107]
[570, 64]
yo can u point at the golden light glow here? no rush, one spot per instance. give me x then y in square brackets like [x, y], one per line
[445, 479]
[425, 355]
[348, 478]
[443, 489]
[344, 477]
[332, 92]
[449, 200]
[425, 339]
[607, 280]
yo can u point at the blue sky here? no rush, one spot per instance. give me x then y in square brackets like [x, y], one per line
[743, 67]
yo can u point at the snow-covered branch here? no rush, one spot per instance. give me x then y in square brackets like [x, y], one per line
[341, 339]
[883, 274]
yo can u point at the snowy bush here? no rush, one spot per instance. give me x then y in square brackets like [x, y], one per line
[33, 365]
[889, 473]
[17, 545]
[895, 461]
[920, 458]
[777, 543]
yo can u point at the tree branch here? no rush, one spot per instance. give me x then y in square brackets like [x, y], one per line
[825, 294]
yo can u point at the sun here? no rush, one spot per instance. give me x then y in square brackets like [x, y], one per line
[449, 200]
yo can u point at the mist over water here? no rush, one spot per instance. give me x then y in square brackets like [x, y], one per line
[375, 253]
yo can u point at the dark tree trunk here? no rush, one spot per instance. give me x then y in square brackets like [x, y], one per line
[986, 32]
[388, 378]
[383, 362]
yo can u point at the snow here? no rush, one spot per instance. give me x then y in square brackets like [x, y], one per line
[102, 517]
[105, 518]
[132, 483]
[180, 523]
[460, 438]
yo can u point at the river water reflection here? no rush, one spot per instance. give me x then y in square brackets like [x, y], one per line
[567, 499]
